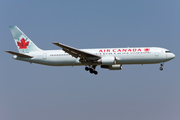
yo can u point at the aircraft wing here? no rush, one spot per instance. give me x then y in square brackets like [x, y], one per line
[76, 52]
[19, 54]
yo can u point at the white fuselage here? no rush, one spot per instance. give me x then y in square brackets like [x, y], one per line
[141, 55]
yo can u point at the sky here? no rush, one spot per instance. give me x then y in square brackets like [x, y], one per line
[137, 92]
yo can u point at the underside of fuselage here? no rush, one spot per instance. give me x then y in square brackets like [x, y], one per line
[77, 63]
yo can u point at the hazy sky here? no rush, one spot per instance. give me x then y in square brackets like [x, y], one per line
[138, 92]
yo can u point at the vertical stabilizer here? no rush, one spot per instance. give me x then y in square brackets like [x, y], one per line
[23, 43]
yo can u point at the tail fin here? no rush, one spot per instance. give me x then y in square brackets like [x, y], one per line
[23, 43]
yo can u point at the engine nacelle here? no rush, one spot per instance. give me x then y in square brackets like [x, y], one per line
[110, 60]
[112, 67]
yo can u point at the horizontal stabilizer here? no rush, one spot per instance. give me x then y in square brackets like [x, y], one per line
[19, 54]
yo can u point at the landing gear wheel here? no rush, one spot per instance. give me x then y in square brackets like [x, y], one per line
[86, 68]
[161, 68]
[91, 70]
[95, 72]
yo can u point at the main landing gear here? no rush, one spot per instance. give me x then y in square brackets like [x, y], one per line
[91, 70]
[161, 68]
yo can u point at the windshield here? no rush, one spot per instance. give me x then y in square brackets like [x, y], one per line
[168, 51]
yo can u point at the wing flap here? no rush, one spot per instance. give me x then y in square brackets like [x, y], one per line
[19, 54]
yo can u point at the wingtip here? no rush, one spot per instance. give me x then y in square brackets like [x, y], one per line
[55, 42]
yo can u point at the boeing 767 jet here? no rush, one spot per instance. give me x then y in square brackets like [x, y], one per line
[108, 58]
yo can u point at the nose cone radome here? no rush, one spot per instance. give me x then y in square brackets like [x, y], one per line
[172, 56]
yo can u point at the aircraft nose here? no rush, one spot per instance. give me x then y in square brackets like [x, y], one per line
[172, 55]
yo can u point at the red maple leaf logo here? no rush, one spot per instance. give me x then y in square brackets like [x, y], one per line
[23, 44]
[146, 49]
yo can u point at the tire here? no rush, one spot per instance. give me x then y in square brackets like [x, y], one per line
[161, 68]
[91, 70]
[86, 68]
[95, 72]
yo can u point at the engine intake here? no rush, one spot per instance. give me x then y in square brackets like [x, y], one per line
[107, 60]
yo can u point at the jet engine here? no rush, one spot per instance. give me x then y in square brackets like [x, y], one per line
[112, 67]
[109, 60]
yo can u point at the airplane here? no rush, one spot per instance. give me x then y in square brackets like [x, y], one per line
[107, 58]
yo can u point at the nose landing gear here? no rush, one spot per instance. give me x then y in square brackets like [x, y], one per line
[161, 68]
[91, 70]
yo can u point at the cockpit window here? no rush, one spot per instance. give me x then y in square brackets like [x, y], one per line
[168, 51]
